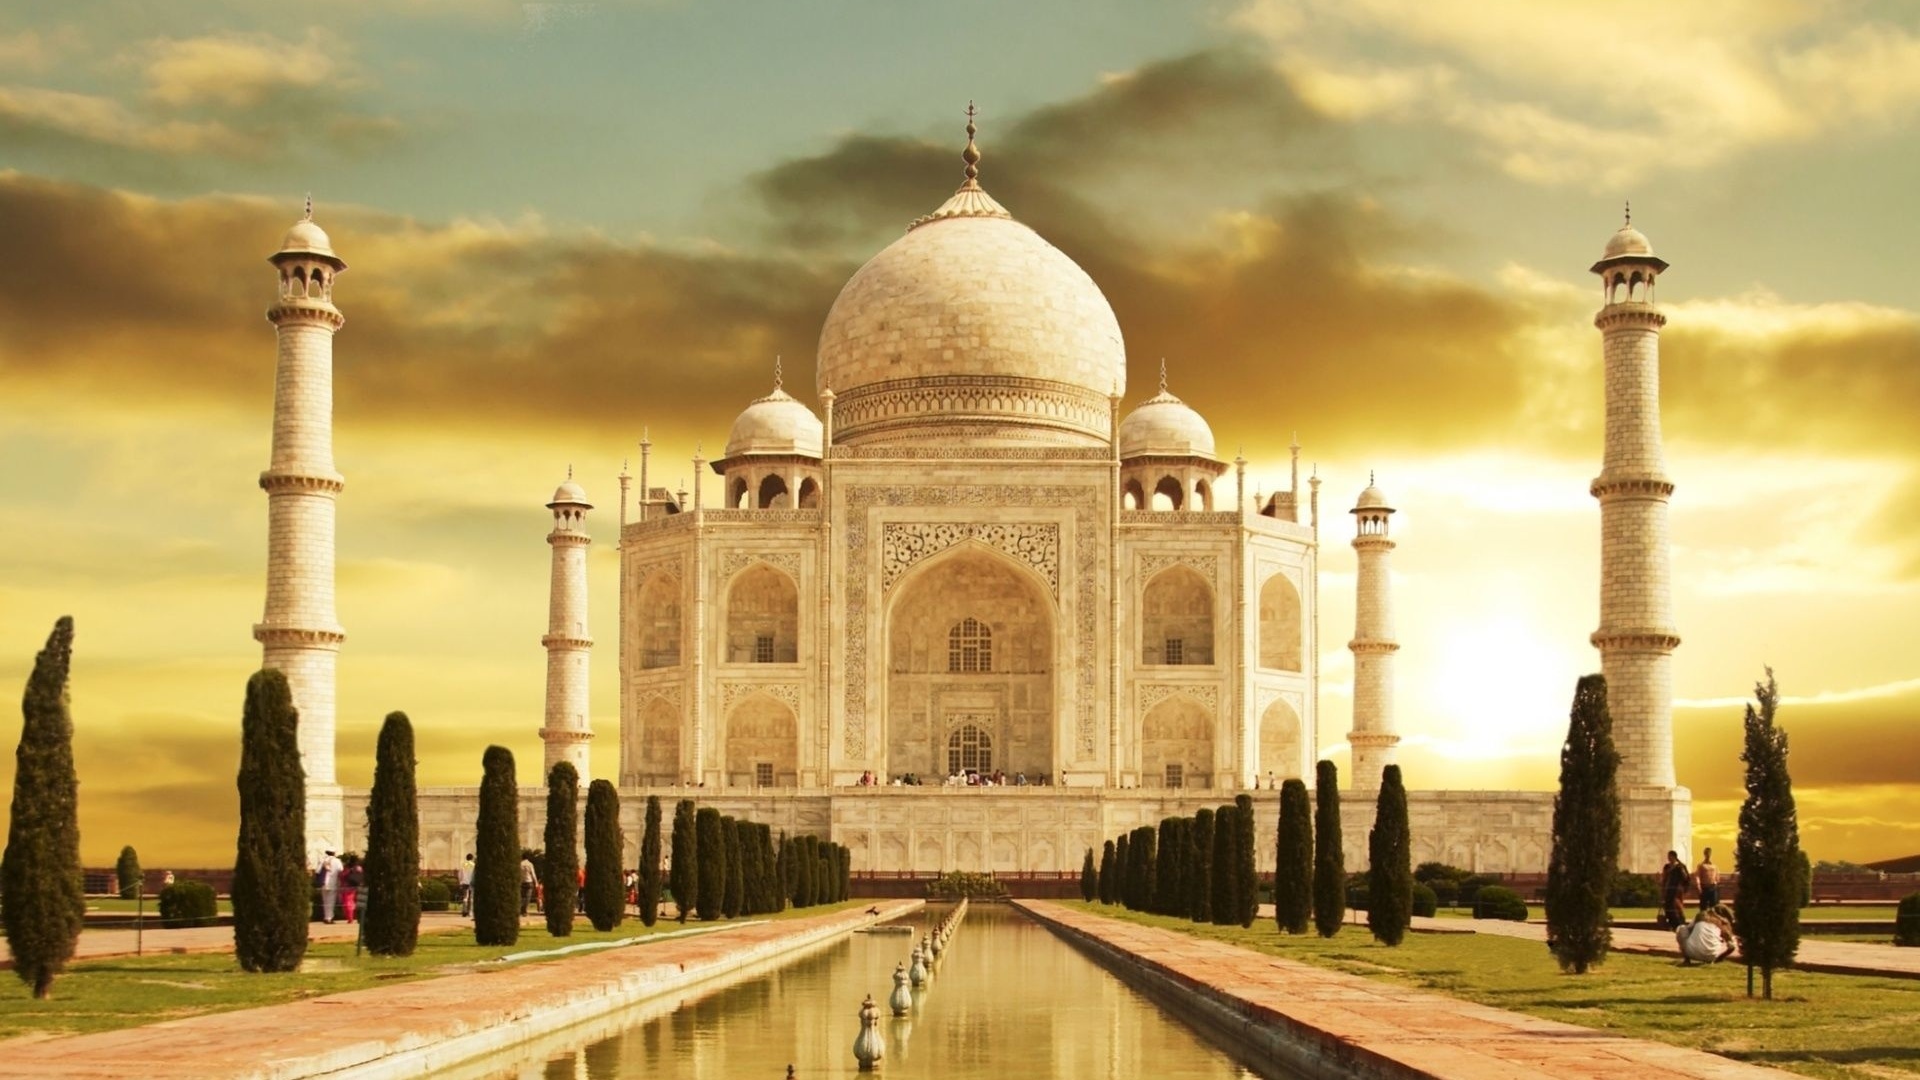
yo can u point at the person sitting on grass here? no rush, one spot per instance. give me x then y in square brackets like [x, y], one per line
[1708, 938]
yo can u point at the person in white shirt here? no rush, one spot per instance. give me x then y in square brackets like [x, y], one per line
[466, 888]
[330, 868]
[1708, 938]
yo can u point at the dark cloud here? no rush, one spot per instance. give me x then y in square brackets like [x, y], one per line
[1830, 745]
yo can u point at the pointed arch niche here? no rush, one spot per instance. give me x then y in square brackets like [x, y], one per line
[763, 617]
[1176, 618]
[1176, 744]
[658, 754]
[763, 743]
[1280, 625]
[1280, 742]
[659, 615]
[971, 640]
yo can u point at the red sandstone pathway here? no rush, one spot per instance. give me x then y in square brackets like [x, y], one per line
[322, 1035]
[1354, 1026]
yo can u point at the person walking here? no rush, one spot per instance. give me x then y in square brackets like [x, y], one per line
[1674, 880]
[466, 887]
[351, 880]
[1707, 878]
[330, 870]
[529, 880]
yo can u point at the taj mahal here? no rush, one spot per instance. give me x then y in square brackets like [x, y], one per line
[973, 559]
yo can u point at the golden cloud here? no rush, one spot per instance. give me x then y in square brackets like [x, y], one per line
[240, 71]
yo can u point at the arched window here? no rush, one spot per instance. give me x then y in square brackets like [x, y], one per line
[659, 616]
[1133, 496]
[1167, 494]
[809, 494]
[969, 749]
[773, 492]
[763, 618]
[970, 646]
[737, 493]
[1176, 620]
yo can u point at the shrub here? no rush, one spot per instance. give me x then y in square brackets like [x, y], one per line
[393, 908]
[1329, 854]
[1906, 925]
[1357, 891]
[962, 883]
[1425, 901]
[188, 903]
[41, 872]
[1634, 890]
[435, 894]
[1471, 885]
[496, 863]
[126, 873]
[606, 892]
[1499, 902]
[560, 872]
[271, 888]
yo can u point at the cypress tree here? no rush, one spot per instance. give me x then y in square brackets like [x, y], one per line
[126, 873]
[1200, 877]
[1246, 886]
[272, 897]
[562, 871]
[1167, 883]
[710, 891]
[1089, 878]
[1104, 883]
[44, 904]
[786, 870]
[810, 882]
[1293, 860]
[734, 894]
[1329, 855]
[496, 852]
[1226, 905]
[1767, 853]
[1390, 863]
[1123, 885]
[776, 883]
[684, 875]
[845, 891]
[649, 886]
[606, 884]
[392, 919]
[750, 899]
[1586, 833]
[1144, 857]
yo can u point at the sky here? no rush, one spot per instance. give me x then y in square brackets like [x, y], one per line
[1366, 222]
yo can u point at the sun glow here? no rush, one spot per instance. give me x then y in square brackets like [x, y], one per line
[1498, 687]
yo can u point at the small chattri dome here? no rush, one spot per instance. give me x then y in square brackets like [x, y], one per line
[309, 239]
[1628, 241]
[776, 424]
[570, 493]
[1372, 498]
[1164, 425]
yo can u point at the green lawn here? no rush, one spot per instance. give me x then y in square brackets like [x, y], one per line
[1837, 1026]
[1818, 913]
[118, 992]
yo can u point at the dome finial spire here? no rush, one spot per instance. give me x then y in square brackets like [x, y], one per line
[309, 214]
[1629, 213]
[1163, 374]
[778, 381]
[971, 155]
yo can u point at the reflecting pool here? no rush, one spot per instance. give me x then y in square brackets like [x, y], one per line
[1007, 999]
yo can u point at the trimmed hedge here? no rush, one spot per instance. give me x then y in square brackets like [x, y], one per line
[1499, 902]
[188, 903]
[1906, 926]
[435, 894]
[1425, 902]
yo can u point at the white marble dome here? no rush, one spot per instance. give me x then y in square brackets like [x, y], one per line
[569, 493]
[307, 238]
[1372, 499]
[776, 424]
[973, 324]
[1164, 425]
[1628, 241]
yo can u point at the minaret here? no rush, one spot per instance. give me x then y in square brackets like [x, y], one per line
[1636, 638]
[569, 729]
[299, 633]
[1373, 737]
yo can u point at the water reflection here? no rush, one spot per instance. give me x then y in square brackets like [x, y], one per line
[1007, 999]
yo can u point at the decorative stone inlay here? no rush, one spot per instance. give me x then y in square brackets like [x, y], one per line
[1652, 487]
[1179, 517]
[293, 635]
[731, 693]
[1207, 565]
[866, 410]
[667, 692]
[758, 517]
[275, 482]
[1263, 699]
[735, 561]
[646, 570]
[1152, 694]
[972, 453]
[905, 543]
[1636, 640]
[1084, 502]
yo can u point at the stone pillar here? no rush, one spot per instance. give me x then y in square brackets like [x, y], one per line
[299, 633]
[1373, 737]
[568, 731]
